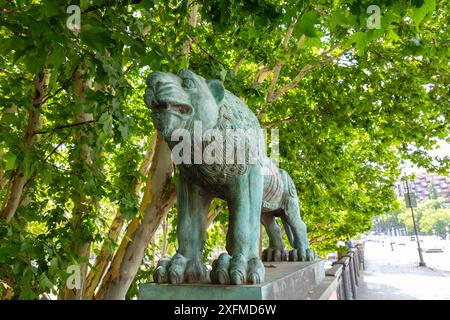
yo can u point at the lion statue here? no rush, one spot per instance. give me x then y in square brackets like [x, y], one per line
[254, 188]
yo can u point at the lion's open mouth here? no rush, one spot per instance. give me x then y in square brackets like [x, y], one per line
[179, 108]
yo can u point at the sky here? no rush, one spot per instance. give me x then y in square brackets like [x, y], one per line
[441, 151]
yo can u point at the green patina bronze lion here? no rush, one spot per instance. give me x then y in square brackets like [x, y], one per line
[254, 188]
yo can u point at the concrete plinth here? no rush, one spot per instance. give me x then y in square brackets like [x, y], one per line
[284, 281]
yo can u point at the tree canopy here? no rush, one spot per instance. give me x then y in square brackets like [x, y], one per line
[351, 98]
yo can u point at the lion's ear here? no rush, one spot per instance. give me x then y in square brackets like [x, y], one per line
[217, 89]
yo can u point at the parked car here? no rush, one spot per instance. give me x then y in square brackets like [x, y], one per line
[432, 244]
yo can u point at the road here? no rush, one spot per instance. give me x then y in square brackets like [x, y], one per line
[396, 275]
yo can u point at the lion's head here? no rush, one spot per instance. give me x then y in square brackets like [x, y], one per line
[177, 100]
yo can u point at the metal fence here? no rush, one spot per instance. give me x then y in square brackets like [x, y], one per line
[346, 271]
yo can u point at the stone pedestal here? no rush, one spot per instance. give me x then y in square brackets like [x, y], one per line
[284, 281]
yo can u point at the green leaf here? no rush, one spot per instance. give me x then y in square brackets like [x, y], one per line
[107, 121]
[10, 159]
[26, 293]
[152, 59]
[93, 27]
[359, 39]
[27, 164]
[343, 19]
[419, 14]
[98, 41]
[138, 47]
[306, 25]
[6, 45]
[84, 4]
[57, 56]
[391, 35]
[51, 8]
[123, 131]
[146, 4]
[34, 61]
[104, 117]
[44, 281]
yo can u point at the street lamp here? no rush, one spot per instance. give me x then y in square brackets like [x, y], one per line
[410, 203]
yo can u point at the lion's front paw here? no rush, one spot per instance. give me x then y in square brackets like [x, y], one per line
[179, 269]
[237, 270]
[271, 254]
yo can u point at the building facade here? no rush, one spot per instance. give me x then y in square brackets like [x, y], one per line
[428, 186]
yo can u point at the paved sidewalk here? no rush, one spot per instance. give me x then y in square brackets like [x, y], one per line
[395, 275]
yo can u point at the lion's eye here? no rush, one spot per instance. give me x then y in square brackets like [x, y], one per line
[188, 84]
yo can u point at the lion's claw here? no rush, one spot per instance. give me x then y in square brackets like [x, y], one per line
[237, 270]
[270, 254]
[301, 255]
[179, 269]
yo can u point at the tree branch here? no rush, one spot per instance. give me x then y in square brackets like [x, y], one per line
[334, 47]
[53, 95]
[275, 122]
[205, 51]
[260, 76]
[46, 158]
[300, 42]
[55, 148]
[64, 86]
[130, 67]
[239, 62]
[279, 64]
[64, 126]
[307, 68]
[192, 8]
[12, 199]
[108, 4]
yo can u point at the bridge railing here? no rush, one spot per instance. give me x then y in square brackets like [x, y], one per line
[347, 272]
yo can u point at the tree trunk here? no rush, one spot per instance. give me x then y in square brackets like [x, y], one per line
[192, 8]
[2, 172]
[105, 255]
[14, 194]
[103, 258]
[158, 198]
[212, 214]
[81, 249]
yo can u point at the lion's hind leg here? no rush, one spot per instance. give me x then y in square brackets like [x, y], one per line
[299, 239]
[276, 251]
